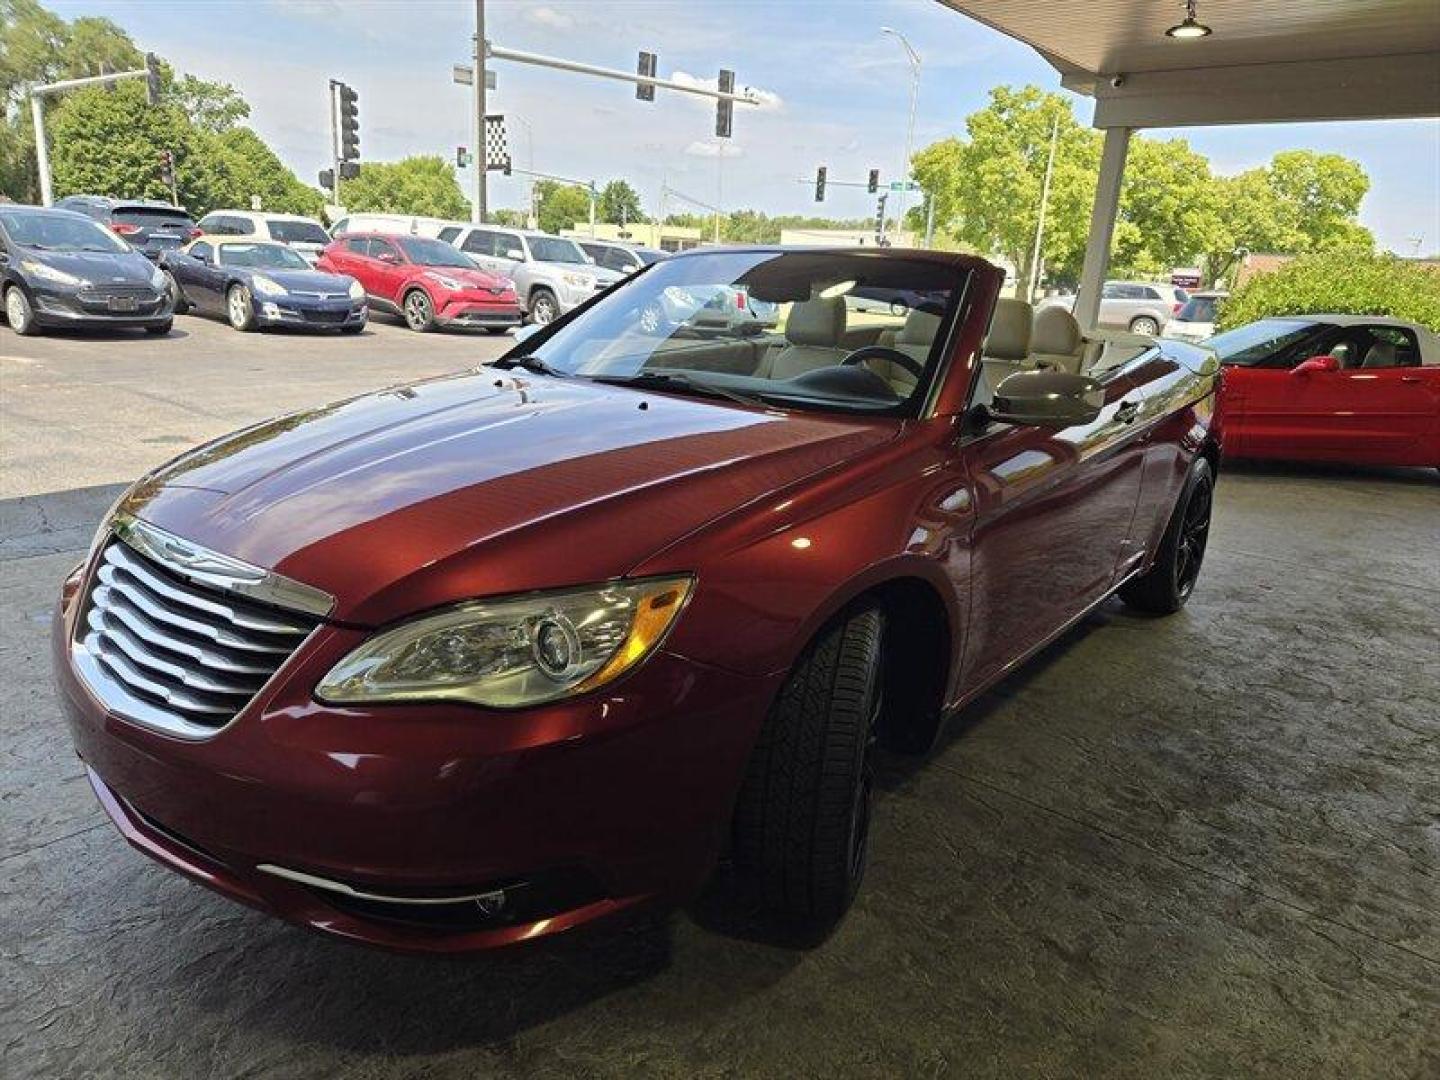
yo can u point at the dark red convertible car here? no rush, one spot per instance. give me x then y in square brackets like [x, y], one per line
[491, 656]
[1355, 389]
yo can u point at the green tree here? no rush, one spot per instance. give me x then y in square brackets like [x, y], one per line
[1350, 281]
[423, 185]
[213, 107]
[560, 206]
[1168, 209]
[619, 202]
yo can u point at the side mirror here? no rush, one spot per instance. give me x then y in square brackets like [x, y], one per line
[1315, 365]
[388, 257]
[1051, 399]
[516, 254]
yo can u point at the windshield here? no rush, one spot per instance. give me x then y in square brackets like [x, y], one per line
[781, 327]
[1254, 342]
[1199, 309]
[426, 252]
[60, 231]
[553, 249]
[298, 232]
[262, 256]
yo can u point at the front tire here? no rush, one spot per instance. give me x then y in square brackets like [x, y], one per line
[239, 309]
[161, 328]
[1144, 325]
[802, 817]
[418, 311]
[544, 308]
[1164, 588]
[18, 312]
[178, 303]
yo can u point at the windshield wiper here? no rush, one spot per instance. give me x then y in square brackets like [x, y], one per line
[529, 363]
[668, 380]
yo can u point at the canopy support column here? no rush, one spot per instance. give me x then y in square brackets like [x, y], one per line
[1102, 226]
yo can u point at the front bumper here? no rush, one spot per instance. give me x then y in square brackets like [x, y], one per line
[100, 306]
[575, 811]
[318, 315]
[460, 311]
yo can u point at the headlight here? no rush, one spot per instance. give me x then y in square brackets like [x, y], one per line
[357, 291]
[49, 273]
[508, 654]
[446, 282]
[267, 286]
[580, 281]
[157, 278]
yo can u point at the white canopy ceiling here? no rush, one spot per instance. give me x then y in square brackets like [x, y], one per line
[1266, 61]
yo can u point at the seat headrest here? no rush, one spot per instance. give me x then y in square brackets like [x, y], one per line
[920, 329]
[1381, 354]
[1009, 335]
[1055, 331]
[816, 322]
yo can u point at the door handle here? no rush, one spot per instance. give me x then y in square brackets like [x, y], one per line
[1127, 411]
[1409, 378]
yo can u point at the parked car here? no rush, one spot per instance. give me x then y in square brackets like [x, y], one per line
[705, 309]
[622, 258]
[147, 225]
[552, 274]
[1362, 389]
[1142, 307]
[496, 655]
[1196, 320]
[60, 268]
[305, 235]
[424, 281]
[254, 283]
[397, 224]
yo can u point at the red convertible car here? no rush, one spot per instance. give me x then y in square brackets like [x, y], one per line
[1361, 389]
[491, 656]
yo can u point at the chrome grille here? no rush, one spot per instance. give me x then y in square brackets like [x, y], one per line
[172, 654]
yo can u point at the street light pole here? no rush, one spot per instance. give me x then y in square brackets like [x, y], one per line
[914, 58]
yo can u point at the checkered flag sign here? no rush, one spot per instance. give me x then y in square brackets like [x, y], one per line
[497, 150]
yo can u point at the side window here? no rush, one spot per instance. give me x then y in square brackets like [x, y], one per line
[1393, 344]
[357, 245]
[597, 252]
[207, 224]
[1110, 292]
[242, 226]
[383, 249]
[508, 242]
[479, 242]
[202, 251]
[449, 233]
[338, 229]
[618, 259]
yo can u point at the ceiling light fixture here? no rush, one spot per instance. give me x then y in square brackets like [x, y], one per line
[1189, 27]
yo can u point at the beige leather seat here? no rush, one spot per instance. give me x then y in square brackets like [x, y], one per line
[813, 331]
[1055, 340]
[1381, 354]
[1006, 349]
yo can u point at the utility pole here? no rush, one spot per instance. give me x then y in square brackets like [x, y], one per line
[1040, 219]
[478, 208]
[150, 73]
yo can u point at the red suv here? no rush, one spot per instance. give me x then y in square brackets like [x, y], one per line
[426, 282]
[488, 657]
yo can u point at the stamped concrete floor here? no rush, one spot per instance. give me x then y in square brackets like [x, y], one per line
[1203, 845]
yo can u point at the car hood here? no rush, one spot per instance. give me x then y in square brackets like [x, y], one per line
[306, 280]
[101, 267]
[481, 484]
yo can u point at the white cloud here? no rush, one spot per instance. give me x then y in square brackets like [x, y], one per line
[767, 101]
[549, 17]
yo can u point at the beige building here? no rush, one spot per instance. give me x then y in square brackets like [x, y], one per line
[641, 234]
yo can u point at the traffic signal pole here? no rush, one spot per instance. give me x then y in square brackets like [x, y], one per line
[479, 199]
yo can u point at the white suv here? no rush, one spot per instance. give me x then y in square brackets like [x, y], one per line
[305, 235]
[551, 273]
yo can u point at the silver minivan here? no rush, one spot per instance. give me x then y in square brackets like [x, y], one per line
[552, 274]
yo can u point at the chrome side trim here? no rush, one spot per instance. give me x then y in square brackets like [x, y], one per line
[206, 567]
[346, 890]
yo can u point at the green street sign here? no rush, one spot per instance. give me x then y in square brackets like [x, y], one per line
[904, 185]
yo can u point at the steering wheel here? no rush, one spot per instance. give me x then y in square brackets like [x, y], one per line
[884, 352]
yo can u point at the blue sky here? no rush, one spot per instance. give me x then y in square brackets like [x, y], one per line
[838, 91]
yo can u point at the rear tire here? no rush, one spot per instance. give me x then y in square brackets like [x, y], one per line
[803, 813]
[18, 312]
[1144, 325]
[1165, 587]
[544, 308]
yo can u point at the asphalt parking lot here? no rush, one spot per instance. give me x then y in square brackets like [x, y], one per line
[1204, 845]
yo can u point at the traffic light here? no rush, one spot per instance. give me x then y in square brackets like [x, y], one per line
[349, 170]
[820, 184]
[327, 180]
[167, 166]
[724, 107]
[349, 102]
[152, 79]
[646, 91]
[461, 158]
[874, 184]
